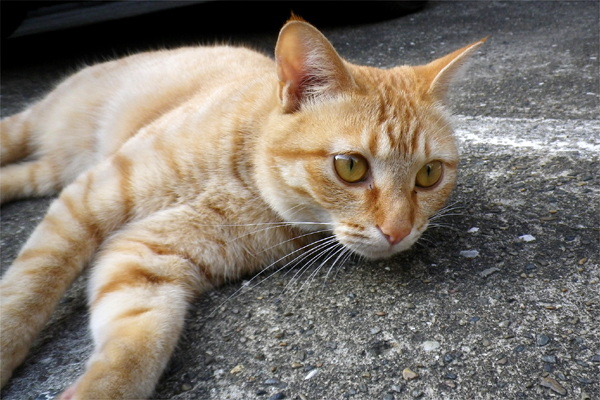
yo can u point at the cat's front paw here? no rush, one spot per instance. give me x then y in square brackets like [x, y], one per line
[9, 356]
[13, 349]
[68, 394]
[5, 374]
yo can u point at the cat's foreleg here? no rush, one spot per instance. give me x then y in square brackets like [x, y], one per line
[52, 258]
[57, 251]
[140, 289]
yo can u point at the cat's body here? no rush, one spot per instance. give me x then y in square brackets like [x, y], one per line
[195, 166]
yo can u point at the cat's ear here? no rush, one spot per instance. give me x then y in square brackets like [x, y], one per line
[308, 67]
[439, 73]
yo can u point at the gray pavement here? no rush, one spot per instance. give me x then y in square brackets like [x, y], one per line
[502, 303]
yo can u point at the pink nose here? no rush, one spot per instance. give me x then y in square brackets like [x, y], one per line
[394, 234]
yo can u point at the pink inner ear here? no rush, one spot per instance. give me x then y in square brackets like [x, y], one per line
[291, 68]
[307, 65]
[290, 61]
[291, 73]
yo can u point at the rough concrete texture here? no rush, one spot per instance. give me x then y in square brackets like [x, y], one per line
[501, 301]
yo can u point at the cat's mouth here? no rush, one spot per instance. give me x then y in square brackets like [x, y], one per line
[376, 246]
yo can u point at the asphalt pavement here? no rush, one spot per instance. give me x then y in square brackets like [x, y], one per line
[501, 302]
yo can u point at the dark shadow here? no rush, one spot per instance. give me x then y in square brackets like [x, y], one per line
[209, 22]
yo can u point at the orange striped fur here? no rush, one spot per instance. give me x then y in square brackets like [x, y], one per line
[179, 170]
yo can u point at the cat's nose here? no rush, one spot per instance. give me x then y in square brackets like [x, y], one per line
[394, 234]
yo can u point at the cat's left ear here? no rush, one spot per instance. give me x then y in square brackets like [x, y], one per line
[439, 73]
[308, 67]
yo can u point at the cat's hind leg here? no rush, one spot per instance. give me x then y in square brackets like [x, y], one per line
[30, 168]
[29, 179]
[15, 138]
[139, 292]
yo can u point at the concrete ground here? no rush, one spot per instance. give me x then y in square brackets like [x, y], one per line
[501, 303]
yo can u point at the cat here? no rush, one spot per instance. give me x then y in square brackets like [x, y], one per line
[179, 170]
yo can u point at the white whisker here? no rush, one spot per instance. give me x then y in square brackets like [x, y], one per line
[234, 294]
[309, 264]
[334, 249]
[284, 224]
[296, 237]
[342, 253]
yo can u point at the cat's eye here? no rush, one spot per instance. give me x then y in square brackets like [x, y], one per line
[351, 168]
[429, 174]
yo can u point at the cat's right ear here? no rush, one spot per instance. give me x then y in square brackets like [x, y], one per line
[308, 67]
[439, 73]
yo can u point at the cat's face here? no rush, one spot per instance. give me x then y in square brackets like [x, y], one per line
[367, 153]
[373, 166]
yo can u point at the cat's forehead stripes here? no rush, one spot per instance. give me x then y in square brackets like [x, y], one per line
[398, 131]
[396, 113]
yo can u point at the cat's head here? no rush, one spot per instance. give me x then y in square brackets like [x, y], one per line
[369, 152]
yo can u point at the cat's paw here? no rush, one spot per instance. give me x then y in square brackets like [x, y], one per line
[11, 354]
[5, 374]
[67, 394]
[7, 363]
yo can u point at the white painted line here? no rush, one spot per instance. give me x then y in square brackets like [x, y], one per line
[545, 135]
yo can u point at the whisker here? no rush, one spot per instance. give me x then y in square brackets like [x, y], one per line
[296, 237]
[311, 277]
[264, 270]
[443, 226]
[438, 216]
[299, 208]
[271, 223]
[324, 241]
[450, 207]
[349, 254]
[423, 238]
[259, 230]
[342, 253]
[314, 259]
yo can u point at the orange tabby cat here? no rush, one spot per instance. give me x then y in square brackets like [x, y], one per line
[186, 168]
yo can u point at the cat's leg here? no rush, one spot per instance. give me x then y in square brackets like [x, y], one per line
[55, 254]
[15, 140]
[139, 292]
[52, 258]
[29, 179]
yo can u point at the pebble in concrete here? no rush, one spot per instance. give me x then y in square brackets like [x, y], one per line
[409, 375]
[553, 385]
[430, 345]
[542, 340]
[469, 253]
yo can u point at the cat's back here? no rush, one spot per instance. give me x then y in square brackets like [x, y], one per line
[170, 67]
[159, 80]
[104, 105]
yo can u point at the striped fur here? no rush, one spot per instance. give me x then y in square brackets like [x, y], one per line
[179, 170]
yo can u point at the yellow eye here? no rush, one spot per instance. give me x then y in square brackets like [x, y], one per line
[351, 168]
[429, 175]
